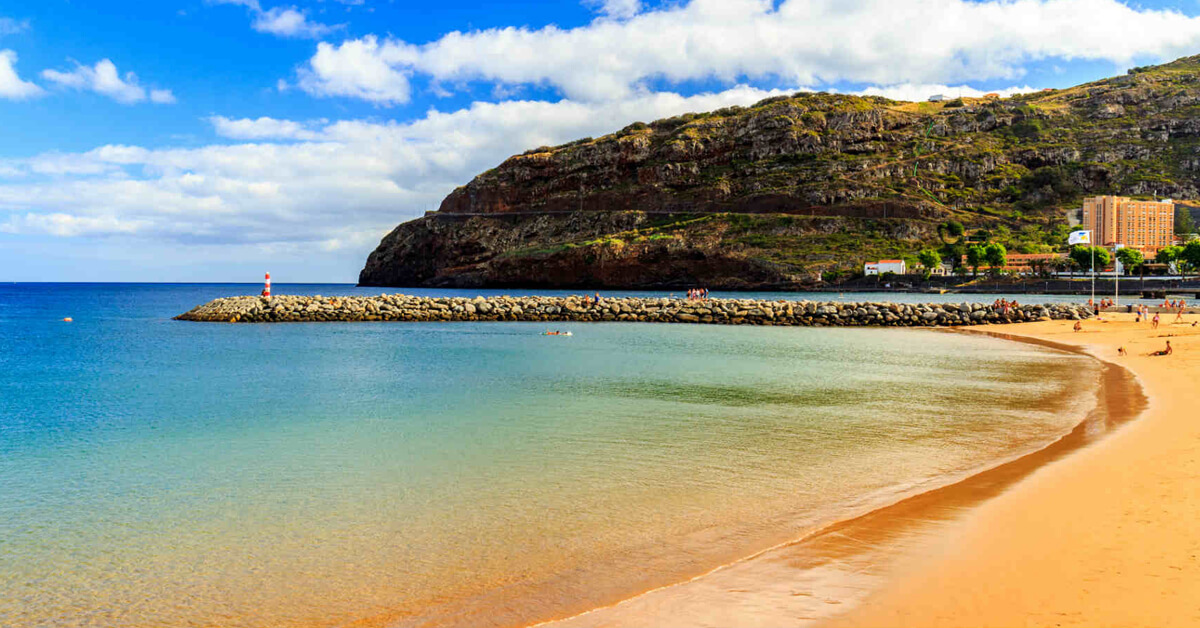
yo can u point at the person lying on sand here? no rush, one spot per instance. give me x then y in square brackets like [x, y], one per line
[1167, 351]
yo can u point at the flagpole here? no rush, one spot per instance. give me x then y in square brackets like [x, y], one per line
[1117, 277]
[1093, 247]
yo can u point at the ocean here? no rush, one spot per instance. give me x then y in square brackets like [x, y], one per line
[155, 472]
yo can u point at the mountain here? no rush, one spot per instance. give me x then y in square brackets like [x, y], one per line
[794, 188]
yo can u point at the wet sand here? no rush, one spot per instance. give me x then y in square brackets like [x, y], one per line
[1108, 536]
[818, 578]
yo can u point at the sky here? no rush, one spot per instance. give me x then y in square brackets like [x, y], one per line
[214, 140]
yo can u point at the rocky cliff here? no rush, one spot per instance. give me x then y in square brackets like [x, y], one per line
[773, 195]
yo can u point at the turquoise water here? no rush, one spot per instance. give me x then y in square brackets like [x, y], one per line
[154, 472]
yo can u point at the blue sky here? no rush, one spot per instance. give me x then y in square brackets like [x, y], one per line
[209, 140]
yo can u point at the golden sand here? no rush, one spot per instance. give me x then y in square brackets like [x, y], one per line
[1098, 529]
[1108, 536]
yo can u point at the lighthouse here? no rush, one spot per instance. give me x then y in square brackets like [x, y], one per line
[267, 287]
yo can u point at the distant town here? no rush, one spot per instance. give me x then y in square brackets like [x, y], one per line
[1129, 235]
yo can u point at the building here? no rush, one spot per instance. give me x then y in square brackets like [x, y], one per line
[896, 266]
[1144, 225]
[937, 98]
[1025, 263]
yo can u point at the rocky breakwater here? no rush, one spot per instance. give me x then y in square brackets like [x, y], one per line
[399, 307]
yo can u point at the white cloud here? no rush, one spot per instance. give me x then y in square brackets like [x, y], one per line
[360, 68]
[619, 9]
[11, 85]
[330, 185]
[9, 26]
[289, 22]
[162, 97]
[65, 225]
[263, 128]
[249, 4]
[281, 21]
[104, 79]
[805, 42]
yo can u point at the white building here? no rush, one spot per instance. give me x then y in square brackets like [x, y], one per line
[937, 98]
[896, 266]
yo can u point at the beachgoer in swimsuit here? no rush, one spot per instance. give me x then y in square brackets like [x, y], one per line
[1167, 351]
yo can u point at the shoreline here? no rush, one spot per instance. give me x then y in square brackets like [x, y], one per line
[1102, 537]
[858, 542]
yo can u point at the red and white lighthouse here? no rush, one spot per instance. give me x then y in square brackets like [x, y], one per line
[267, 287]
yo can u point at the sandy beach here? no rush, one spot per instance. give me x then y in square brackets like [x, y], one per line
[1097, 529]
[1105, 537]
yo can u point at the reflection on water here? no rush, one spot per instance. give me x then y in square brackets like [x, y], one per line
[160, 473]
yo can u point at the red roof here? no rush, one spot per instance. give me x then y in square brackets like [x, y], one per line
[890, 261]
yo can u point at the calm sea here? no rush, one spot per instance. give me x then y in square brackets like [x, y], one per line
[155, 472]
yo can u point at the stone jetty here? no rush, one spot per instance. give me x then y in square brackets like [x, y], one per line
[406, 308]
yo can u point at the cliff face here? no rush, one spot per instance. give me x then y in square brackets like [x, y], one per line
[770, 195]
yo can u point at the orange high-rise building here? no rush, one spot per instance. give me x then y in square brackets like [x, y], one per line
[1145, 225]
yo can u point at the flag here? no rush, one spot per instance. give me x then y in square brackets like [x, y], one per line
[1080, 237]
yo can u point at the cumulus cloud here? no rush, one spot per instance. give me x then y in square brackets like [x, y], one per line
[11, 85]
[289, 22]
[332, 186]
[281, 21]
[359, 68]
[805, 42]
[263, 128]
[104, 79]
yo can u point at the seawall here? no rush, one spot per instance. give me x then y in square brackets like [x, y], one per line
[406, 308]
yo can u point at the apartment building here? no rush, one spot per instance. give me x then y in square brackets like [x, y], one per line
[1145, 225]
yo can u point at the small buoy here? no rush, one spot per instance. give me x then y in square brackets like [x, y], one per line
[68, 320]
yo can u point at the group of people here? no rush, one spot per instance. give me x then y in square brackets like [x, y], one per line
[592, 300]
[1143, 313]
[697, 294]
[1004, 305]
[1174, 304]
[1104, 303]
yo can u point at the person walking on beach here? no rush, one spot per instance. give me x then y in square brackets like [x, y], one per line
[1179, 316]
[1154, 323]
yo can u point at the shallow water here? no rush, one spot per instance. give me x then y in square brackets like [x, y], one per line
[157, 472]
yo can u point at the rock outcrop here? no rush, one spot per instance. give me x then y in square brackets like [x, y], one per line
[773, 194]
[399, 307]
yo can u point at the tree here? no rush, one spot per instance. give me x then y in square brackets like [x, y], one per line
[1083, 255]
[930, 259]
[1167, 255]
[1132, 259]
[951, 228]
[953, 253]
[976, 257]
[1190, 254]
[996, 256]
[1184, 225]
